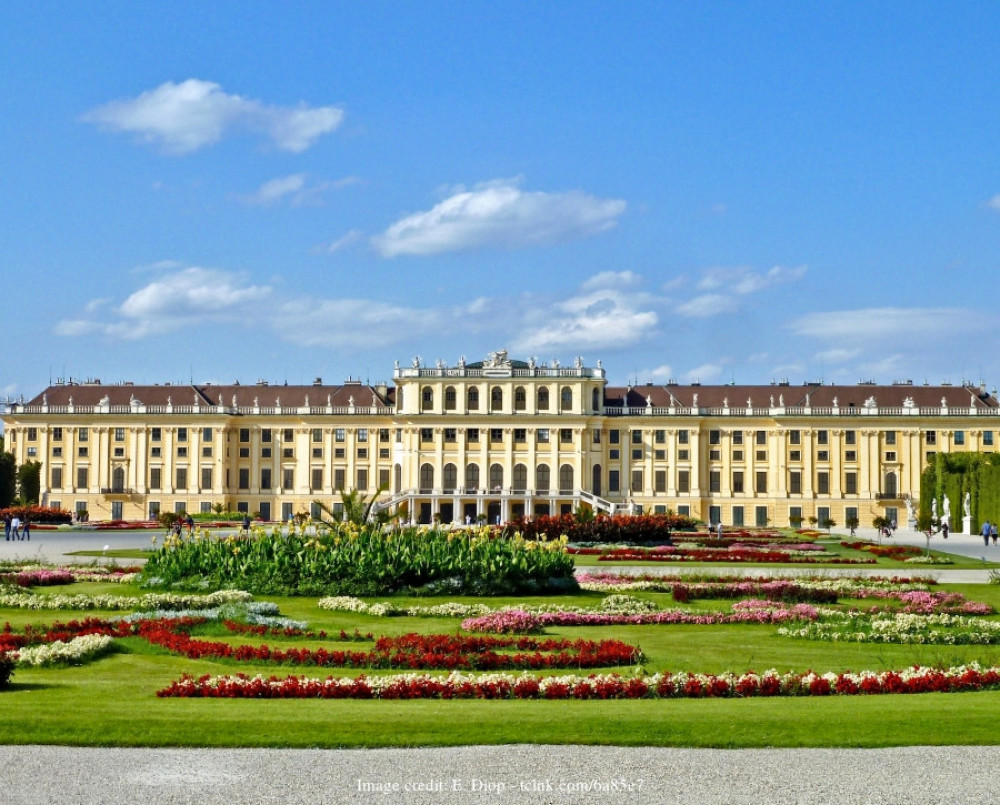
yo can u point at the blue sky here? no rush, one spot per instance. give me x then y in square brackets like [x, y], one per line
[705, 192]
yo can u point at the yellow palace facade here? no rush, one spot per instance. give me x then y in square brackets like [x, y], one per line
[497, 439]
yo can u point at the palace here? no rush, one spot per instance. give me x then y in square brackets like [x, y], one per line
[498, 439]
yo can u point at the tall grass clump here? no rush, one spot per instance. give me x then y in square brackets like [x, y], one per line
[351, 559]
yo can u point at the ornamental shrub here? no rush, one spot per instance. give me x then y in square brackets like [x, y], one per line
[604, 528]
[38, 514]
[6, 669]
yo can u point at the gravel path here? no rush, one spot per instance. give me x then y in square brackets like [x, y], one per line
[505, 775]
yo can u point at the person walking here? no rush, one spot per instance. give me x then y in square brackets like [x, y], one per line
[6, 526]
[15, 527]
[986, 533]
[993, 532]
[26, 528]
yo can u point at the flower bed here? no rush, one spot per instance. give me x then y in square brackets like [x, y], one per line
[900, 628]
[971, 677]
[122, 602]
[735, 554]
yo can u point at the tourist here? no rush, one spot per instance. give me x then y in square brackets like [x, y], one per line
[26, 529]
[944, 529]
[986, 533]
[190, 524]
[993, 532]
[719, 530]
[6, 525]
[15, 527]
[246, 525]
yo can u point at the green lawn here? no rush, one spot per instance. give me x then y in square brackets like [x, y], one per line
[112, 701]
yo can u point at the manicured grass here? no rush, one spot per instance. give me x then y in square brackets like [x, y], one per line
[112, 701]
[117, 553]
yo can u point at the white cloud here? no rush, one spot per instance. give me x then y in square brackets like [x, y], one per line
[870, 324]
[612, 279]
[352, 323]
[603, 318]
[348, 238]
[660, 374]
[499, 214]
[836, 355]
[994, 203]
[194, 114]
[191, 295]
[703, 373]
[711, 304]
[276, 189]
[743, 280]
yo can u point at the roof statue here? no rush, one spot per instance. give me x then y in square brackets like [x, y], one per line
[497, 360]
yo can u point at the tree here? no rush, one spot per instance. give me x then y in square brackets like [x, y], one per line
[358, 508]
[29, 481]
[8, 479]
[852, 523]
[828, 524]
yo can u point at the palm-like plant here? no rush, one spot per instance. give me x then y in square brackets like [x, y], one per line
[358, 508]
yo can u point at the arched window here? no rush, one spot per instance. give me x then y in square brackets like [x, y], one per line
[520, 399]
[496, 477]
[426, 477]
[566, 399]
[496, 399]
[520, 478]
[542, 478]
[118, 479]
[450, 399]
[473, 399]
[597, 480]
[450, 477]
[472, 477]
[543, 398]
[427, 399]
[595, 400]
[566, 478]
[891, 489]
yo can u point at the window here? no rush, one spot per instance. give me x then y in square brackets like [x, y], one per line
[181, 477]
[795, 455]
[520, 399]
[890, 437]
[637, 486]
[496, 399]
[566, 398]
[317, 452]
[660, 436]
[362, 434]
[472, 477]
[850, 483]
[181, 452]
[543, 399]
[450, 399]
[244, 435]
[450, 435]
[472, 435]
[988, 438]
[383, 435]
[637, 437]
[450, 477]
[737, 437]
[56, 453]
[82, 452]
[288, 478]
[682, 455]
[822, 455]
[119, 434]
[383, 452]
[473, 399]
[737, 455]
[760, 515]
[83, 433]
[614, 455]
[714, 481]
[823, 483]
[119, 452]
[339, 478]
[340, 435]
[520, 435]
[761, 483]
[614, 482]
[761, 437]
[930, 437]
[317, 434]
[182, 434]
[427, 399]
[715, 455]
[795, 482]
[206, 452]
[542, 435]
[287, 435]
[33, 434]
[496, 477]
[288, 452]
[660, 455]
[660, 481]
[682, 437]
[362, 478]
[637, 454]
[959, 437]
[614, 436]
[206, 506]
[738, 516]
[82, 478]
[890, 455]
[683, 481]
[265, 435]
[383, 478]
[715, 437]
[738, 481]
[566, 435]
[362, 452]
[244, 477]
[822, 437]
[795, 437]
[265, 477]
[56, 436]
[56, 478]
[427, 434]
[850, 455]
[496, 434]
[206, 477]
[850, 437]
[206, 434]
[762, 455]
[520, 477]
